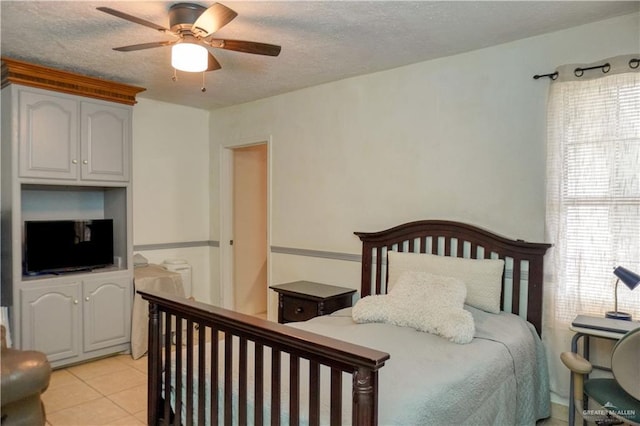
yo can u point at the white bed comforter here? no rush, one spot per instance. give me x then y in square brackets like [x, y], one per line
[500, 378]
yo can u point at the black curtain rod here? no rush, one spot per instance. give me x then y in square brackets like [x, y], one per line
[552, 76]
[579, 72]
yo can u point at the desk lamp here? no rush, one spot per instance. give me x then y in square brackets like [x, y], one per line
[632, 280]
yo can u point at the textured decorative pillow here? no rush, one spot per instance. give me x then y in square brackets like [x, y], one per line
[483, 277]
[423, 301]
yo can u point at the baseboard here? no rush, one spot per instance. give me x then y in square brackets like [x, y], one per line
[559, 411]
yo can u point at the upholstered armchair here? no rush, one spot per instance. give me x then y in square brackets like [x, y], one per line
[24, 375]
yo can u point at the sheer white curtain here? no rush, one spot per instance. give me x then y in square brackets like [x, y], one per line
[593, 199]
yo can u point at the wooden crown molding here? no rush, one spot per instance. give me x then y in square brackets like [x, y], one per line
[19, 72]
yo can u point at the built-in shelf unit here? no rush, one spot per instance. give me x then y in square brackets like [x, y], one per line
[66, 154]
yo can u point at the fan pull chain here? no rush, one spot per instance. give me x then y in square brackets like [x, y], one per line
[203, 88]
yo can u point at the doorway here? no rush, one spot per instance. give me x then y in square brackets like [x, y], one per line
[244, 285]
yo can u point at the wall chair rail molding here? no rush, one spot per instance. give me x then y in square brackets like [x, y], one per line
[316, 253]
[28, 74]
[175, 245]
[274, 249]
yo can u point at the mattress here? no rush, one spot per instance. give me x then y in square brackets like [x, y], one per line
[499, 378]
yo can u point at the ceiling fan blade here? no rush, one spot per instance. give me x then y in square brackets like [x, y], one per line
[142, 46]
[212, 19]
[246, 46]
[213, 63]
[134, 19]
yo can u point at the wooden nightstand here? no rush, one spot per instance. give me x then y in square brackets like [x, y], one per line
[303, 300]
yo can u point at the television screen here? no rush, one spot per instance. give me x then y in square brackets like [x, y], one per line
[67, 245]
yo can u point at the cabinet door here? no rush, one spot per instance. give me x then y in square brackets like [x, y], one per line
[48, 136]
[50, 320]
[105, 142]
[106, 312]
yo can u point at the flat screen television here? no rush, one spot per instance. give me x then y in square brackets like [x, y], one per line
[53, 246]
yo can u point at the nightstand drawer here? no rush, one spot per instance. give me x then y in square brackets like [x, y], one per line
[303, 300]
[294, 309]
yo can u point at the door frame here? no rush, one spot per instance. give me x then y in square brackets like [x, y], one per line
[227, 298]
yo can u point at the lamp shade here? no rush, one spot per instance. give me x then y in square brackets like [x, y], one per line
[631, 279]
[189, 57]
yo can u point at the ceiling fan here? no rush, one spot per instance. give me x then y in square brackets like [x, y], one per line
[193, 27]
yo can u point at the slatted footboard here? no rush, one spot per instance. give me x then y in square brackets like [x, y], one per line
[205, 341]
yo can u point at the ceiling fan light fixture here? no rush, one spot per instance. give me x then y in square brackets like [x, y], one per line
[192, 26]
[189, 57]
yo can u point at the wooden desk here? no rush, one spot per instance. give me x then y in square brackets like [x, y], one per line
[586, 327]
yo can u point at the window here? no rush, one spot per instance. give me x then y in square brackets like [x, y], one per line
[593, 193]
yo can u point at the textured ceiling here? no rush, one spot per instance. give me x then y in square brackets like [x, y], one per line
[321, 41]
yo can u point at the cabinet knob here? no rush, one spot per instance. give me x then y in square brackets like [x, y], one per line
[74, 161]
[86, 298]
[85, 161]
[299, 310]
[75, 302]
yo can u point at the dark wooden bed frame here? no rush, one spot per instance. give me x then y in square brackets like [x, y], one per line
[172, 321]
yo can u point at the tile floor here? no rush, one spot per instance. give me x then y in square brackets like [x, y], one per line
[109, 391]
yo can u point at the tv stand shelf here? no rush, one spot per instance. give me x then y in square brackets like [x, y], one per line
[66, 157]
[69, 274]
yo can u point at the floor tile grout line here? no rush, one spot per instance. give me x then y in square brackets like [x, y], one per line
[115, 402]
[107, 397]
[102, 375]
[47, 411]
[100, 395]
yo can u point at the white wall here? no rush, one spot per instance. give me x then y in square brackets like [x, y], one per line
[171, 185]
[459, 138]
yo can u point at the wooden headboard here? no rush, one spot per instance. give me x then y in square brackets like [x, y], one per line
[522, 278]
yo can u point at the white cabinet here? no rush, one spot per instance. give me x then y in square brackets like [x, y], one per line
[67, 137]
[51, 320]
[69, 319]
[106, 312]
[66, 154]
[105, 141]
[48, 135]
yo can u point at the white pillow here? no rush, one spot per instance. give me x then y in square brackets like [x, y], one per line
[423, 301]
[482, 277]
